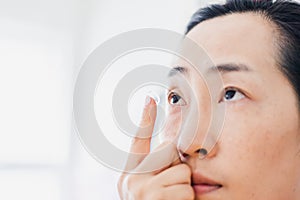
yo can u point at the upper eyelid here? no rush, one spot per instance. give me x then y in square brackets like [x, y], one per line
[174, 90]
[230, 88]
[177, 92]
[234, 88]
[226, 88]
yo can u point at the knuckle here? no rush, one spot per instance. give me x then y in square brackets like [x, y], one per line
[130, 181]
[137, 186]
[120, 184]
[154, 181]
[185, 169]
[146, 193]
[131, 188]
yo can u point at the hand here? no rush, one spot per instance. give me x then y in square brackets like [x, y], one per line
[155, 175]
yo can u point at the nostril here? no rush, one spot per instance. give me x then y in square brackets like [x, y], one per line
[202, 151]
[183, 155]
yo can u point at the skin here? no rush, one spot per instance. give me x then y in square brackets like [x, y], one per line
[257, 154]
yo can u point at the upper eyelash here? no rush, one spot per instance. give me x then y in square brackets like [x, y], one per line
[231, 88]
[171, 91]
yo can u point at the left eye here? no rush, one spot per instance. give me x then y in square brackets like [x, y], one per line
[232, 94]
[175, 99]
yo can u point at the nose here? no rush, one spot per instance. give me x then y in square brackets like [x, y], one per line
[199, 134]
[198, 148]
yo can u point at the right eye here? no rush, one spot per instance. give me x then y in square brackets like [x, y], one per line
[175, 99]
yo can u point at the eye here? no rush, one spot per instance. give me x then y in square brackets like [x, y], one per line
[175, 99]
[232, 94]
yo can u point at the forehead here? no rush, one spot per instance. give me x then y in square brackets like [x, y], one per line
[241, 38]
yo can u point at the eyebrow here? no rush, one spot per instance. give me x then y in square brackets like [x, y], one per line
[222, 68]
[229, 67]
[178, 69]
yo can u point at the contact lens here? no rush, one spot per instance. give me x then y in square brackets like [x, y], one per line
[154, 96]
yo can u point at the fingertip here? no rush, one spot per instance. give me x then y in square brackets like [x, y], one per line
[148, 100]
[154, 96]
[149, 112]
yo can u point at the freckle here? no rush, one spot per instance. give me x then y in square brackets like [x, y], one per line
[253, 196]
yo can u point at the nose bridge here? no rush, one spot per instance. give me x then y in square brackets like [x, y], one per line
[194, 125]
[197, 129]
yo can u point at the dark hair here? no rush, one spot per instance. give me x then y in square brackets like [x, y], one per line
[284, 14]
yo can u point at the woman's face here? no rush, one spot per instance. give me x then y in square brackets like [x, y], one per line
[257, 154]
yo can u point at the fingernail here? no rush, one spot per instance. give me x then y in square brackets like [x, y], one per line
[147, 100]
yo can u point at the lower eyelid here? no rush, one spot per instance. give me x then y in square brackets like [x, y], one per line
[174, 110]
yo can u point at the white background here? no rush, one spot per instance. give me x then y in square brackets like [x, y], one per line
[42, 47]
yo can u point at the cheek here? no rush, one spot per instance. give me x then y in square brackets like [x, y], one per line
[263, 148]
[261, 131]
[172, 125]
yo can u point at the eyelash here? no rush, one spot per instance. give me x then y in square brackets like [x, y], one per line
[225, 94]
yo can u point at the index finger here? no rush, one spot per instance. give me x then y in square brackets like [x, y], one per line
[140, 146]
[141, 142]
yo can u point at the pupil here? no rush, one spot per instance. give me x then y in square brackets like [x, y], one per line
[175, 98]
[230, 94]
